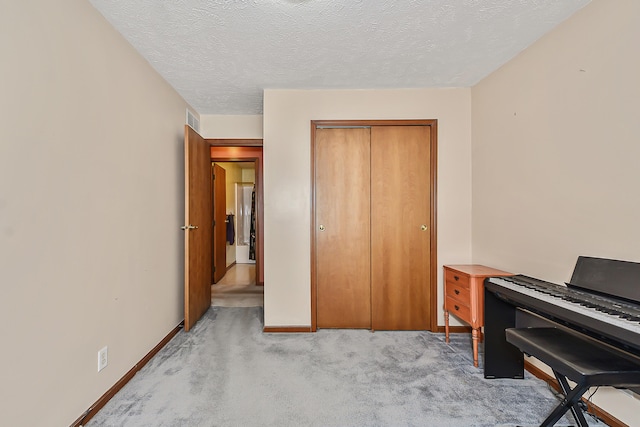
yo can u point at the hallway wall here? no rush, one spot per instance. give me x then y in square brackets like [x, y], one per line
[230, 126]
[233, 174]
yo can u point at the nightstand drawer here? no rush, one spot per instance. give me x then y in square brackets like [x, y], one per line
[458, 309]
[464, 297]
[456, 278]
[458, 292]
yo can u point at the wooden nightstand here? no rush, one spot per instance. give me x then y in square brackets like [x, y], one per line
[464, 297]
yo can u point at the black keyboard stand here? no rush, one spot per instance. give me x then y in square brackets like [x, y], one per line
[579, 359]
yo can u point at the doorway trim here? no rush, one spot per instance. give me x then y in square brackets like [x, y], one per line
[433, 125]
[230, 150]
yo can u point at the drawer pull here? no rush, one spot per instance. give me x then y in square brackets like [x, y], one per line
[456, 307]
[456, 277]
[456, 291]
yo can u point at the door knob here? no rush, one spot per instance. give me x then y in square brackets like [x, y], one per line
[423, 227]
[321, 227]
[189, 227]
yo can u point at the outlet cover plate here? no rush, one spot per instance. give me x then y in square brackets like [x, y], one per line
[103, 359]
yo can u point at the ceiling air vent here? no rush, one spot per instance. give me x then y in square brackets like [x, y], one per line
[193, 121]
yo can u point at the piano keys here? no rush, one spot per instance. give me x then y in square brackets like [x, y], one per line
[602, 300]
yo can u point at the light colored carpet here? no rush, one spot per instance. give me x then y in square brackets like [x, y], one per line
[226, 372]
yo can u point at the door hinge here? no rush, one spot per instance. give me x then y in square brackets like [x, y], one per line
[214, 222]
[214, 269]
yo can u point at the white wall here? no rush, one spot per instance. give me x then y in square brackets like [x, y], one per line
[287, 180]
[248, 175]
[555, 154]
[227, 127]
[91, 201]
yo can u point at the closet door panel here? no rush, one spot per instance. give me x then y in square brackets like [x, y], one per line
[400, 211]
[342, 232]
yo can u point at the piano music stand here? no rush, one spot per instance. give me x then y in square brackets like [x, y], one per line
[586, 362]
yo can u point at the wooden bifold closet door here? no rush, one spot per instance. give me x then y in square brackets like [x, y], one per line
[372, 217]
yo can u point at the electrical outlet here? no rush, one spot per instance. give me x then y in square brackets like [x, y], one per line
[103, 359]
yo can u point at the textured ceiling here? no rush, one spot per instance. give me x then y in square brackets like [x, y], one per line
[221, 54]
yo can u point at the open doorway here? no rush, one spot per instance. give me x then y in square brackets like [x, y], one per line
[236, 285]
[242, 285]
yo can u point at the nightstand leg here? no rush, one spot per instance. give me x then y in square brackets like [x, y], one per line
[474, 337]
[446, 326]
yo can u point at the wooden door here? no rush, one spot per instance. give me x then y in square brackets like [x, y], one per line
[400, 238]
[219, 223]
[197, 234]
[342, 228]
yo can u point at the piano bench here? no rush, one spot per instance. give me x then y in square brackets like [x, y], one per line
[581, 360]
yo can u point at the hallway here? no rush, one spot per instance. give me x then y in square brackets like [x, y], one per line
[238, 288]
